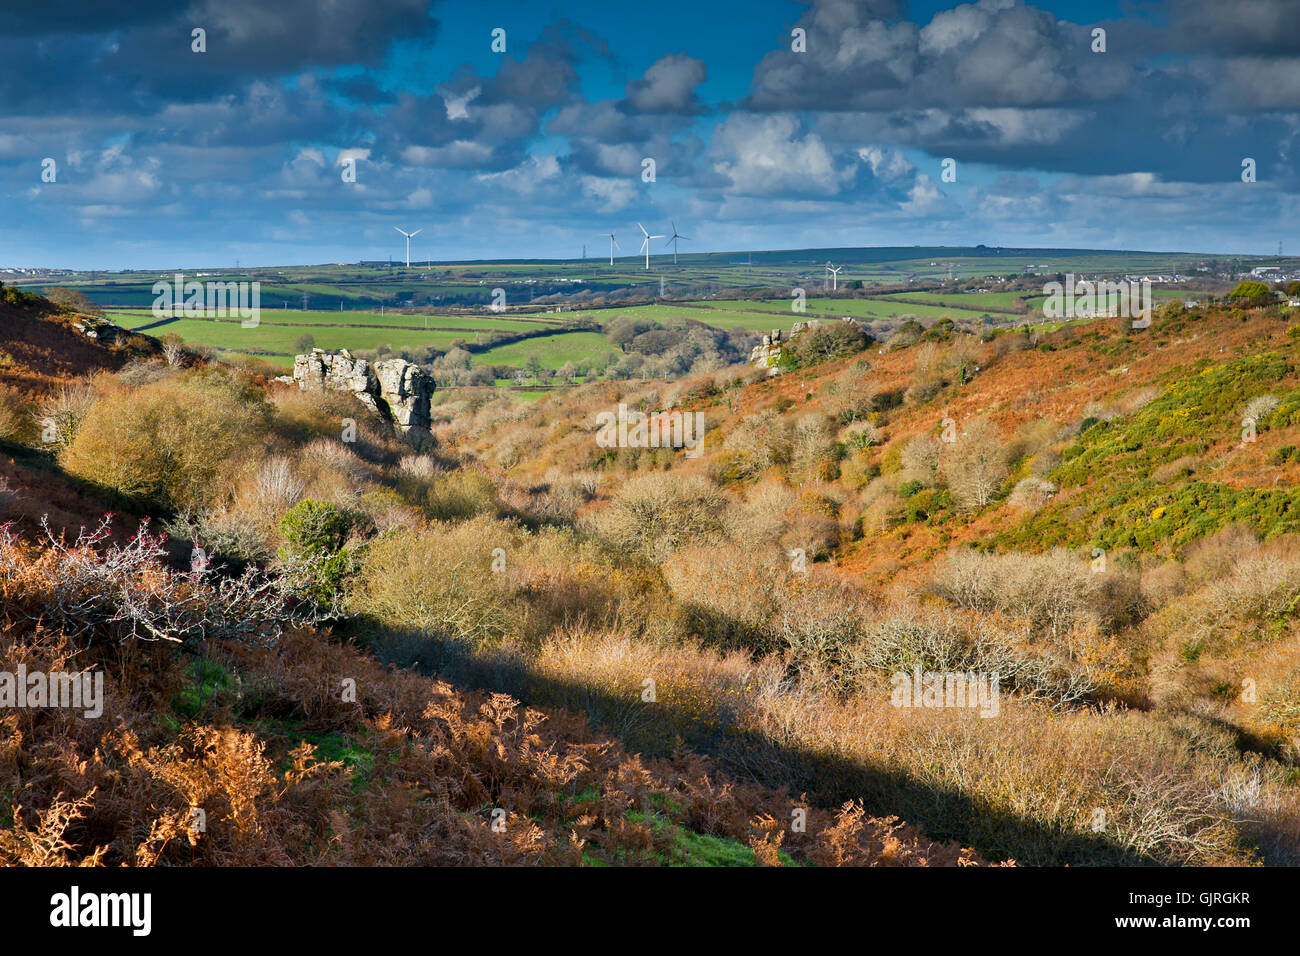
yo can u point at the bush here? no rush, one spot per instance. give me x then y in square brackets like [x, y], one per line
[655, 514]
[1251, 293]
[15, 417]
[434, 584]
[975, 465]
[1031, 493]
[170, 443]
[829, 340]
[97, 592]
[1053, 593]
[315, 536]
[64, 411]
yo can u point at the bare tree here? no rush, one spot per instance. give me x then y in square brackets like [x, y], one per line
[975, 466]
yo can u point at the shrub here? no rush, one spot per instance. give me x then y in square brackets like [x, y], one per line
[95, 591]
[962, 644]
[1259, 408]
[919, 460]
[757, 443]
[829, 340]
[433, 584]
[655, 514]
[1031, 493]
[170, 443]
[315, 550]
[15, 417]
[1052, 593]
[975, 465]
[727, 594]
[1251, 293]
[811, 443]
[64, 411]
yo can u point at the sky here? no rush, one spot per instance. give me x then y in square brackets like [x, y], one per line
[749, 124]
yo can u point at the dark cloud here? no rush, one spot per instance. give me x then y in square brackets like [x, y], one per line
[1236, 27]
[668, 86]
[991, 53]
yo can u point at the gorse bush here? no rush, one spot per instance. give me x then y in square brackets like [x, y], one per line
[315, 549]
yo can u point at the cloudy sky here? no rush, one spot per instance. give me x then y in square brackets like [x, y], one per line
[166, 157]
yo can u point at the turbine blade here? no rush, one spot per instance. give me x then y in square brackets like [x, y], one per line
[417, 232]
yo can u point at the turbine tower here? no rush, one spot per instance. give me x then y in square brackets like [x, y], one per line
[645, 243]
[835, 275]
[612, 244]
[409, 236]
[674, 239]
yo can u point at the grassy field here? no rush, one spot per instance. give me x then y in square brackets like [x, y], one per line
[335, 319]
[279, 340]
[552, 351]
[345, 299]
[821, 307]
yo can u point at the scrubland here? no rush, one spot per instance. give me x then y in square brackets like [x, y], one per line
[563, 653]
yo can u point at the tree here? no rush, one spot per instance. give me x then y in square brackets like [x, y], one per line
[534, 366]
[304, 343]
[73, 300]
[975, 466]
[1251, 293]
[172, 349]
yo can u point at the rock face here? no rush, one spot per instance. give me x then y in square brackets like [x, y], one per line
[394, 389]
[407, 390]
[768, 354]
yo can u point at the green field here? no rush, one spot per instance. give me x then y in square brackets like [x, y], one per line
[443, 303]
[552, 351]
[278, 342]
[826, 307]
[333, 319]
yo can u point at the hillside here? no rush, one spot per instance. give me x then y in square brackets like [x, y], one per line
[232, 727]
[525, 644]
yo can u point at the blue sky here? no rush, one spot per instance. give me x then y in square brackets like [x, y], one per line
[163, 157]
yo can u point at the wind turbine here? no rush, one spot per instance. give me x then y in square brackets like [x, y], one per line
[409, 236]
[674, 239]
[645, 243]
[835, 275]
[612, 244]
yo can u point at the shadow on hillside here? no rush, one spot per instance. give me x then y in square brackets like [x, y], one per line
[829, 780]
[70, 503]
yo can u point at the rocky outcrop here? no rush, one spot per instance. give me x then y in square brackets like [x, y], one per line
[768, 354]
[407, 389]
[99, 330]
[394, 389]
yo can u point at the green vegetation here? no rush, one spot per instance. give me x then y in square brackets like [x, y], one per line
[1116, 462]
